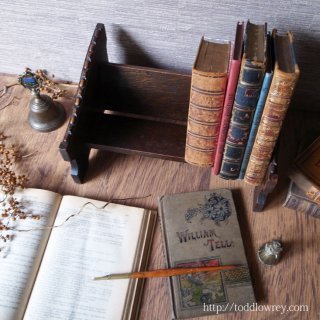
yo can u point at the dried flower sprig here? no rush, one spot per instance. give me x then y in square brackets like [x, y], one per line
[48, 85]
[55, 89]
[11, 210]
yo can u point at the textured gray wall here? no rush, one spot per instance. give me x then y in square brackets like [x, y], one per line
[54, 35]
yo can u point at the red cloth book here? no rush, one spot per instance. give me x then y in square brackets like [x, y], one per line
[229, 97]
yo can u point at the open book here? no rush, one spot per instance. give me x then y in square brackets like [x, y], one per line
[48, 273]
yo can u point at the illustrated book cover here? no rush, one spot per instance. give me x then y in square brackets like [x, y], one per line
[201, 229]
[47, 270]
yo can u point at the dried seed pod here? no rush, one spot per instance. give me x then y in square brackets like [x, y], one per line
[11, 209]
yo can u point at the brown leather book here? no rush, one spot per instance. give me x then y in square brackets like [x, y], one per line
[286, 73]
[297, 200]
[208, 85]
[306, 171]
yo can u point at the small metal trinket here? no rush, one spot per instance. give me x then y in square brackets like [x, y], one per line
[44, 114]
[269, 253]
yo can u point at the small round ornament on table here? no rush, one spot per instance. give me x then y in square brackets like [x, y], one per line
[270, 253]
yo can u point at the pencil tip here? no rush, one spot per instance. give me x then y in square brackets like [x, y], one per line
[106, 277]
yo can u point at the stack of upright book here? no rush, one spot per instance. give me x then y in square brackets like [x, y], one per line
[236, 111]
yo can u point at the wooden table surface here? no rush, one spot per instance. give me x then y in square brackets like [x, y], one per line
[294, 281]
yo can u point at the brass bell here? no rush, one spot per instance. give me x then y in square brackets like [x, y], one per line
[44, 114]
[269, 253]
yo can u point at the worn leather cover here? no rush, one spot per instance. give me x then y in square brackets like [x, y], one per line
[205, 108]
[259, 109]
[201, 228]
[229, 97]
[297, 200]
[280, 93]
[247, 94]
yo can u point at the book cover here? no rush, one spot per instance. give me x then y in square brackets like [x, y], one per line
[246, 98]
[208, 85]
[201, 229]
[285, 77]
[229, 97]
[259, 109]
[297, 200]
[306, 171]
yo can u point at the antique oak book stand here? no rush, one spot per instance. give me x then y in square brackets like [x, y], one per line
[133, 110]
[125, 109]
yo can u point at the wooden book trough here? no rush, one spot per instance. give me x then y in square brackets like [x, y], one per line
[125, 109]
[130, 109]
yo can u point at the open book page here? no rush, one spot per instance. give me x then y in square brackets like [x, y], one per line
[20, 261]
[90, 244]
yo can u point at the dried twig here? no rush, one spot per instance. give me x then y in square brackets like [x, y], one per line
[79, 212]
[5, 88]
[55, 89]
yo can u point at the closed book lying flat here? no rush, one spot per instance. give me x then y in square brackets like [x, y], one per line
[297, 200]
[306, 171]
[208, 85]
[229, 97]
[201, 229]
[246, 98]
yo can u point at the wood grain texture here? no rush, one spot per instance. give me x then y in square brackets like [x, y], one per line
[111, 176]
[294, 281]
[55, 35]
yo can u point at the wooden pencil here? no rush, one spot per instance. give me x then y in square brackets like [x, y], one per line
[164, 272]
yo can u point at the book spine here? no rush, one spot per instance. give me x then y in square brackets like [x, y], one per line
[275, 110]
[226, 114]
[205, 109]
[255, 122]
[246, 98]
[299, 204]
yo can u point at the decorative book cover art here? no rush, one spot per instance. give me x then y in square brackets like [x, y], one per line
[201, 229]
